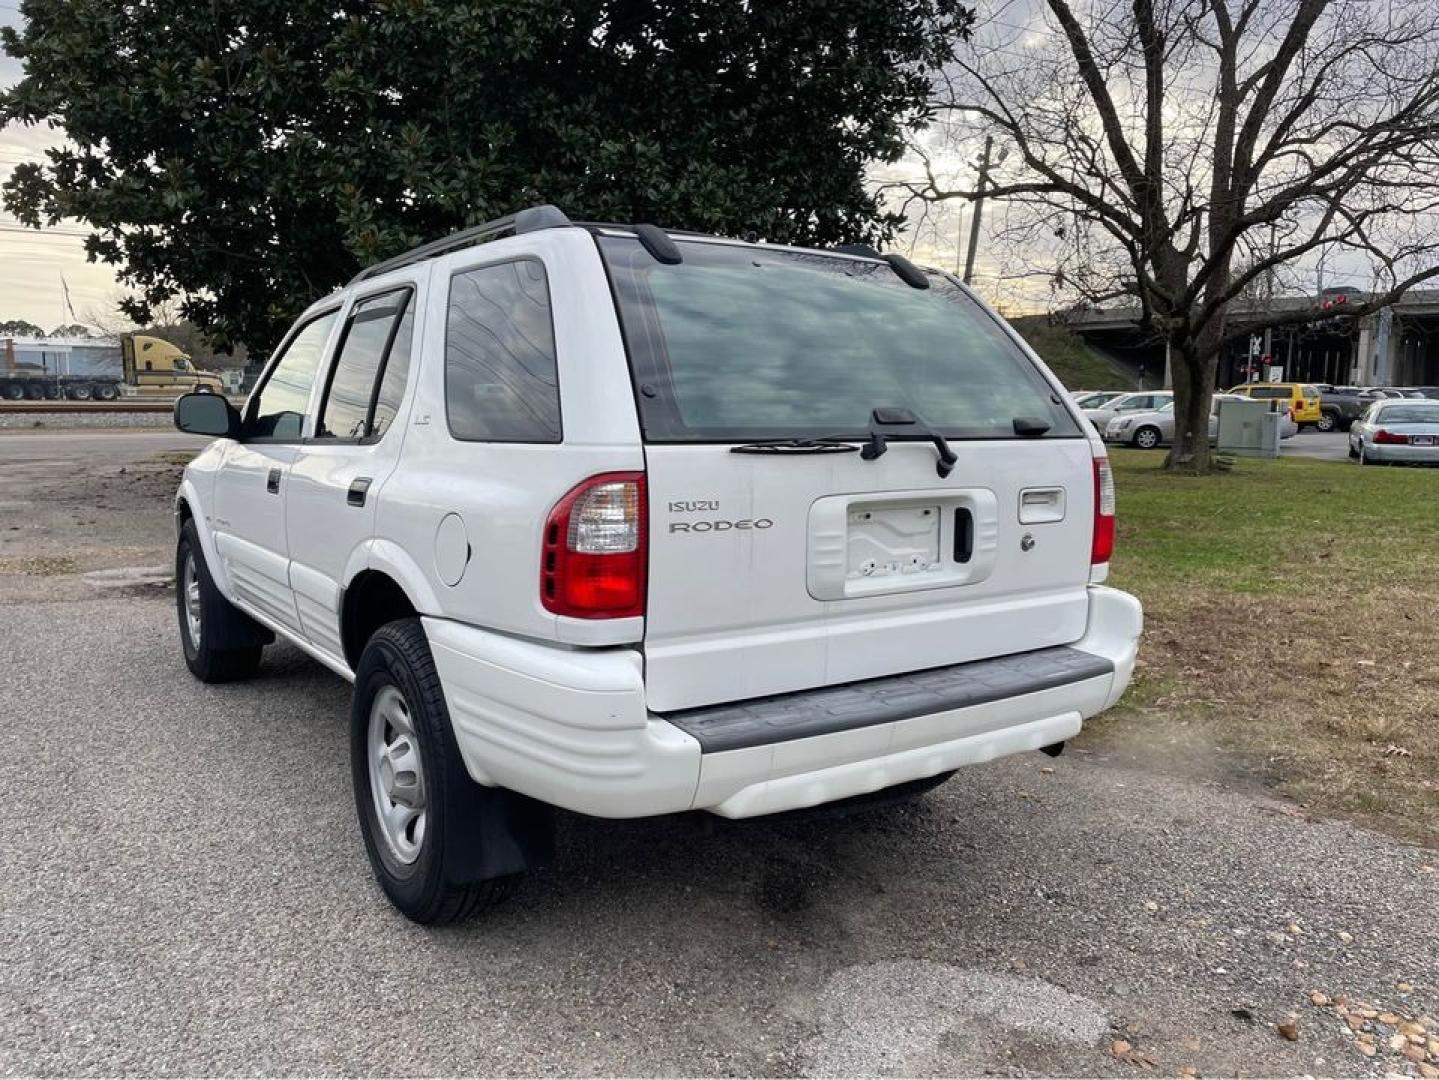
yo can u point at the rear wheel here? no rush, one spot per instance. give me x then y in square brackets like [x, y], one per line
[200, 607]
[54, 392]
[12, 391]
[82, 392]
[1326, 422]
[35, 392]
[1146, 438]
[406, 768]
[107, 392]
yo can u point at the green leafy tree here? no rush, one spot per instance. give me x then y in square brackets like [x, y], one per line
[249, 154]
[20, 328]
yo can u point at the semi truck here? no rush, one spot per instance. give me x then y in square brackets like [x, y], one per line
[147, 367]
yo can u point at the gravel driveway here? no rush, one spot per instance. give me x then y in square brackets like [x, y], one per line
[184, 891]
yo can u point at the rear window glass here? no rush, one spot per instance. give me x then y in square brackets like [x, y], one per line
[746, 342]
[1271, 392]
[1408, 414]
[501, 377]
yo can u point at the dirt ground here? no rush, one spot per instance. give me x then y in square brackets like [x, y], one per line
[186, 892]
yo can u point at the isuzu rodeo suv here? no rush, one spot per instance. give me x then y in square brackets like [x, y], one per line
[633, 522]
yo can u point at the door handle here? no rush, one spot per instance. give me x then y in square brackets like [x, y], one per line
[272, 485]
[359, 488]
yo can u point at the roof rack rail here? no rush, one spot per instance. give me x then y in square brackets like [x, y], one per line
[531, 219]
[868, 251]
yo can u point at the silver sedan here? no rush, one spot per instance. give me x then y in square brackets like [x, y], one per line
[1397, 430]
[1147, 430]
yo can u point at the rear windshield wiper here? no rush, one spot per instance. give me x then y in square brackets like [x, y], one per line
[819, 445]
[902, 424]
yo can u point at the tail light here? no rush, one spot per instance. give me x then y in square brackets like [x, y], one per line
[593, 562]
[1103, 546]
[1392, 438]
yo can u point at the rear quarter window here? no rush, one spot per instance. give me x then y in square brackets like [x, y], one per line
[501, 374]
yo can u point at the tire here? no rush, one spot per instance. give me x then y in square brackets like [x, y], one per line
[1147, 437]
[106, 392]
[196, 597]
[1326, 422]
[54, 392]
[82, 392]
[398, 703]
[35, 392]
[12, 392]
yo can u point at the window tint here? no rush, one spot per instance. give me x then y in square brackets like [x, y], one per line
[278, 410]
[397, 373]
[1271, 392]
[500, 379]
[345, 412]
[740, 342]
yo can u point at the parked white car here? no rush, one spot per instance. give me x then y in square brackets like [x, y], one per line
[633, 523]
[1094, 399]
[1397, 430]
[1140, 402]
[1146, 430]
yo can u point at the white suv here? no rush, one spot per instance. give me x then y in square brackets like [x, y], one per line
[633, 522]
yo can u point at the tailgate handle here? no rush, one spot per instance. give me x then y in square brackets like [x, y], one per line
[1040, 505]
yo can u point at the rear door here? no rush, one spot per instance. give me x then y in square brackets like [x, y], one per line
[775, 569]
[338, 473]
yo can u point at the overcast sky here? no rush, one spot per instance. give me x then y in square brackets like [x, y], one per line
[31, 263]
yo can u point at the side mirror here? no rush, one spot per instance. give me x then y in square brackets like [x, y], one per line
[207, 414]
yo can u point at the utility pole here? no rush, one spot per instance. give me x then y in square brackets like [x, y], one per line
[1268, 306]
[978, 209]
[958, 238]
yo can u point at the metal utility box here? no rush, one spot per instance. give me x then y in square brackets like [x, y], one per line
[1249, 428]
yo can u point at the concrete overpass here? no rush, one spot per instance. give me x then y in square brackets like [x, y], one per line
[1397, 346]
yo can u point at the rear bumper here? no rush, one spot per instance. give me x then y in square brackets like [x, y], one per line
[1415, 455]
[572, 728]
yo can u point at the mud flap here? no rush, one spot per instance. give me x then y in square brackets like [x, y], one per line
[502, 831]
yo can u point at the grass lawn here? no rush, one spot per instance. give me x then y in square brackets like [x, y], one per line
[1078, 366]
[1292, 631]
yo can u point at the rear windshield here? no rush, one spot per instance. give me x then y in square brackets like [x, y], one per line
[1408, 414]
[1271, 392]
[746, 342]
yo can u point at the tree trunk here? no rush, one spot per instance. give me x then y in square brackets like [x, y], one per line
[1194, 362]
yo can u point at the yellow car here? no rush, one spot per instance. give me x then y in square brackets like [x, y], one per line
[1303, 399]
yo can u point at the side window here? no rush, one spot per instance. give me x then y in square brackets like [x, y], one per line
[397, 373]
[360, 360]
[501, 383]
[277, 410]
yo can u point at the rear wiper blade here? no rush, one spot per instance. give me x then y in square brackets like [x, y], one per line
[902, 425]
[820, 445]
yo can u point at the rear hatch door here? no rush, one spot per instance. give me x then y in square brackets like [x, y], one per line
[777, 566]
